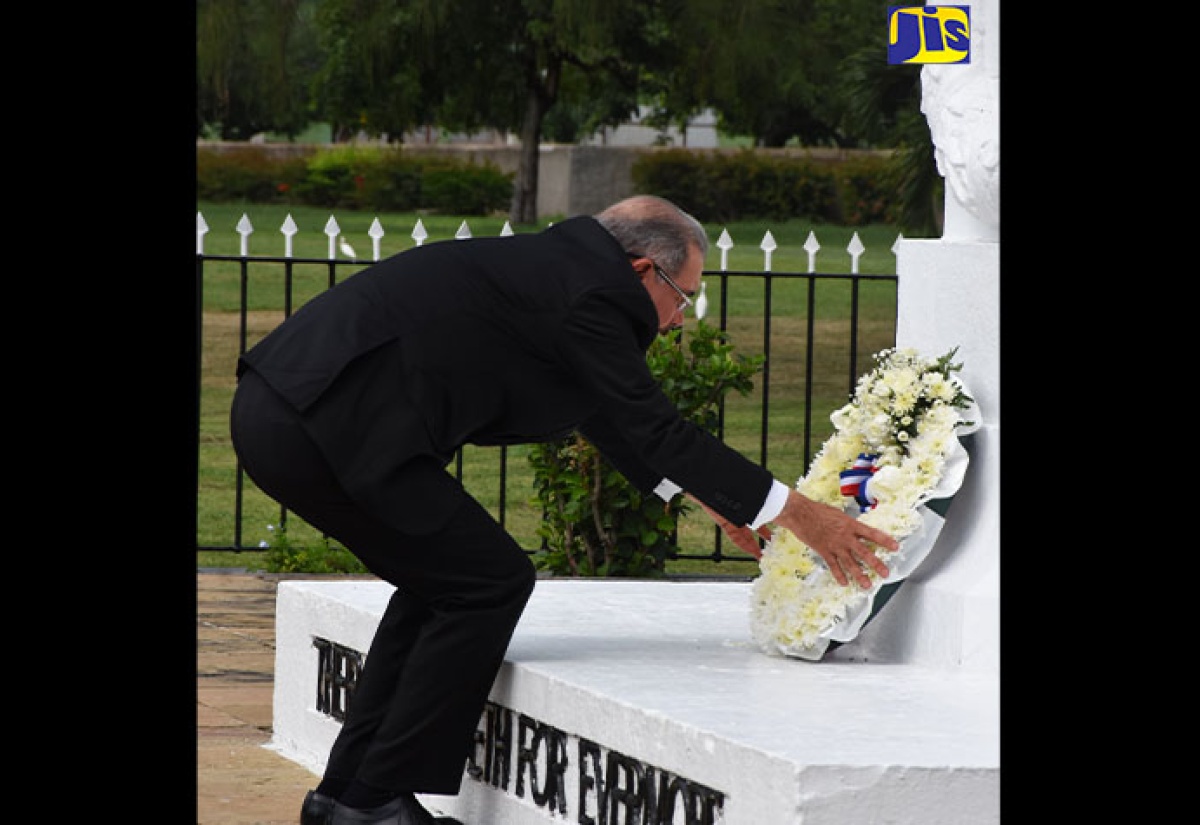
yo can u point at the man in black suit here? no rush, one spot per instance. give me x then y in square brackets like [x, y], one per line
[348, 412]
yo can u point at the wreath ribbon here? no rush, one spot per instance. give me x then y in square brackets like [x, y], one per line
[854, 482]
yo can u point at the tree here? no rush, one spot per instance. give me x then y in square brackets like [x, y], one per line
[813, 70]
[883, 106]
[575, 45]
[253, 62]
[770, 67]
[465, 64]
[379, 72]
[778, 70]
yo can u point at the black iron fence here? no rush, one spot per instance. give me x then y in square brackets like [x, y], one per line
[817, 332]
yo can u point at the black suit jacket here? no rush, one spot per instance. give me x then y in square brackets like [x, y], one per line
[490, 341]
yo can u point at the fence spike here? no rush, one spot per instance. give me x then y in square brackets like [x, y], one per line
[725, 243]
[812, 246]
[376, 233]
[245, 228]
[768, 246]
[856, 249]
[332, 230]
[463, 232]
[201, 231]
[288, 229]
[506, 230]
[702, 302]
[419, 234]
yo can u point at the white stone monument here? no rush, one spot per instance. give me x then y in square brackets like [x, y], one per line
[947, 613]
[641, 701]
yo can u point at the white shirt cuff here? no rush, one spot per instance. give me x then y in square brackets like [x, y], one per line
[667, 489]
[773, 506]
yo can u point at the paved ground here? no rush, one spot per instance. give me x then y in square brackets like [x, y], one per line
[239, 781]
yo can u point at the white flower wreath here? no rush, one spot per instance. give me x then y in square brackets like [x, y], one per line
[895, 447]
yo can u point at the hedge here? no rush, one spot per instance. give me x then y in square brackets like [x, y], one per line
[745, 185]
[717, 186]
[360, 178]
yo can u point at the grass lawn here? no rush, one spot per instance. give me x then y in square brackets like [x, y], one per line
[745, 298]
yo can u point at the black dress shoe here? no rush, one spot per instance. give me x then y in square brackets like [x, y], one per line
[403, 810]
[317, 809]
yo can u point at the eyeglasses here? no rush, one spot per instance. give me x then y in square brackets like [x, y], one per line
[684, 300]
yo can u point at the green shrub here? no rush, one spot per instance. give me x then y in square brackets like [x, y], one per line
[252, 174]
[867, 191]
[455, 189]
[365, 178]
[394, 185]
[337, 177]
[282, 556]
[675, 174]
[727, 187]
[596, 523]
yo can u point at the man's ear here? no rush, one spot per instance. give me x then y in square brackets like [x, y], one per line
[642, 267]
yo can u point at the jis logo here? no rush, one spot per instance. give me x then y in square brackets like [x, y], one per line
[929, 34]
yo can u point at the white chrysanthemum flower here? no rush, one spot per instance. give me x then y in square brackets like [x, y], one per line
[878, 429]
[885, 483]
[938, 387]
[840, 418]
[942, 418]
[905, 379]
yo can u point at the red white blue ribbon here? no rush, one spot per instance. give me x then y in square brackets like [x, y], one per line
[854, 481]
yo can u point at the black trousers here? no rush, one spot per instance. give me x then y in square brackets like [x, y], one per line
[459, 594]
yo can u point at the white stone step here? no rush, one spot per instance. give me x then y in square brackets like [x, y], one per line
[610, 683]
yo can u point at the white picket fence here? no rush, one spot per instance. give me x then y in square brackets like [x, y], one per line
[339, 245]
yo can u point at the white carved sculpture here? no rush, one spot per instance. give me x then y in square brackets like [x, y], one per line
[962, 105]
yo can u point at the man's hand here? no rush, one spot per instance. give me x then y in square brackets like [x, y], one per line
[742, 536]
[841, 540]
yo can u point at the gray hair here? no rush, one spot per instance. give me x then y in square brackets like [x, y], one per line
[656, 228]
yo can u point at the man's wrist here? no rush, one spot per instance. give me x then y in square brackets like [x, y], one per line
[773, 506]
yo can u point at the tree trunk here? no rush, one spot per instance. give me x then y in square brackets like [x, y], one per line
[542, 92]
[524, 200]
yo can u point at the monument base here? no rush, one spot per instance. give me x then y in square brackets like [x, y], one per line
[647, 702]
[948, 612]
